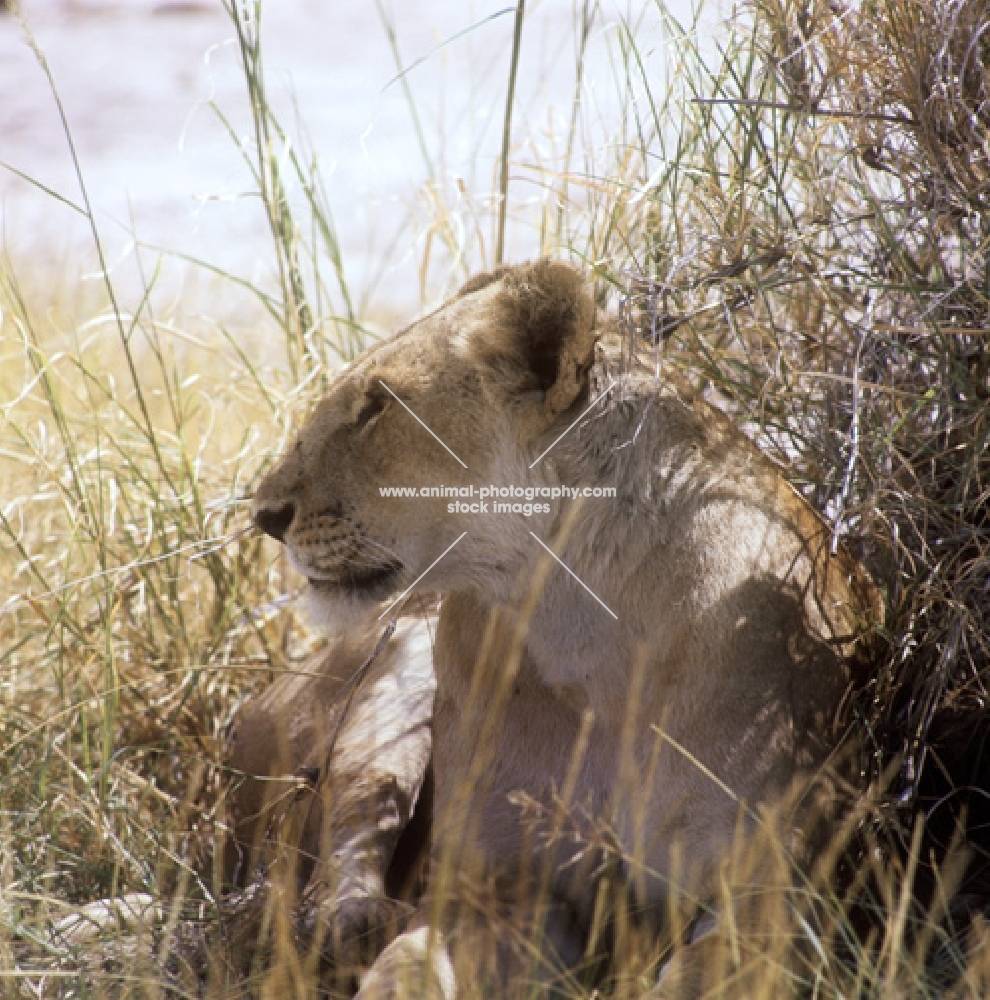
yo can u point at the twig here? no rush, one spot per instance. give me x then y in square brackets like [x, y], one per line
[503, 183]
[746, 102]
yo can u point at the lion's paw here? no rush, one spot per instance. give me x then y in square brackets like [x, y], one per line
[352, 931]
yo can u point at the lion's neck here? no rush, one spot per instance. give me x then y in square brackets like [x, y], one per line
[594, 611]
[587, 579]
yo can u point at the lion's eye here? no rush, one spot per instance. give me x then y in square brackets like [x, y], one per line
[374, 403]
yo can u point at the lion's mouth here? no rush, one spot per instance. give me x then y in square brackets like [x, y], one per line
[372, 580]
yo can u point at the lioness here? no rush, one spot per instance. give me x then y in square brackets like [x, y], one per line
[663, 663]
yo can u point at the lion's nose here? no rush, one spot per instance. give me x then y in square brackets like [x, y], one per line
[275, 521]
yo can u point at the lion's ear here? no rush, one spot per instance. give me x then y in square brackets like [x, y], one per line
[543, 332]
[478, 281]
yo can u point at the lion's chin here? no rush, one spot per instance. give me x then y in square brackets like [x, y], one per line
[333, 608]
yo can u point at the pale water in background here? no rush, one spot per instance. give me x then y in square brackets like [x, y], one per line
[136, 78]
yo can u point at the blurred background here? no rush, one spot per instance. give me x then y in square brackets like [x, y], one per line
[399, 107]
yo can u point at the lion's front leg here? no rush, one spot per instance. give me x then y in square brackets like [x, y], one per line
[374, 844]
[375, 821]
[334, 790]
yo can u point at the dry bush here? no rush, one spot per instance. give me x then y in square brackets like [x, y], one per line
[826, 278]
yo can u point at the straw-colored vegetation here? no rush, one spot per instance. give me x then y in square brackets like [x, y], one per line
[801, 222]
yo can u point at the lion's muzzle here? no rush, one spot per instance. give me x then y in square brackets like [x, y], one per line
[275, 520]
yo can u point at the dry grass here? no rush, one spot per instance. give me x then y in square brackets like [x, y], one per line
[801, 224]
[835, 261]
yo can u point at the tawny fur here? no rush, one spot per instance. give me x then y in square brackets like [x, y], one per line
[701, 679]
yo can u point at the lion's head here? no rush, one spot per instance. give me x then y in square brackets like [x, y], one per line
[464, 396]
